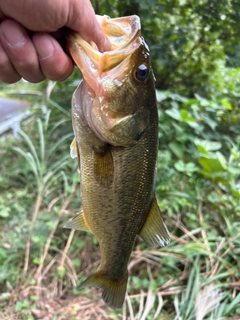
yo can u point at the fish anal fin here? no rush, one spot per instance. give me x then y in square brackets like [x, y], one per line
[79, 222]
[113, 291]
[103, 167]
[154, 230]
[74, 152]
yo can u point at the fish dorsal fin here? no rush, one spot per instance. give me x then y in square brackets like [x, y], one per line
[103, 167]
[113, 291]
[74, 152]
[79, 222]
[154, 230]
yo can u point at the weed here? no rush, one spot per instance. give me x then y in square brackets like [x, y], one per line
[195, 277]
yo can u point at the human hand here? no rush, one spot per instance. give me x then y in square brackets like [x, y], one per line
[40, 55]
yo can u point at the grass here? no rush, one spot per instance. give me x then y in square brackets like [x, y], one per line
[196, 277]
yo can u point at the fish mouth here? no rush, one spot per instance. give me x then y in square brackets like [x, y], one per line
[124, 36]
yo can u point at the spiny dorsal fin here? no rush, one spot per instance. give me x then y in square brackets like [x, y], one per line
[103, 167]
[79, 222]
[113, 290]
[154, 230]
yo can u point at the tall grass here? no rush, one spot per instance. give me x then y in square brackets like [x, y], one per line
[196, 277]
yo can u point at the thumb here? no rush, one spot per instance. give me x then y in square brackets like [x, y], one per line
[82, 19]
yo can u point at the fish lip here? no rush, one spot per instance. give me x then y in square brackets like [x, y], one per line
[97, 63]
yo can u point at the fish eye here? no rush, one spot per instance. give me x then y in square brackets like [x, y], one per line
[141, 73]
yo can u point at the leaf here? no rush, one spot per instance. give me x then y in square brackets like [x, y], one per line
[185, 116]
[177, 148]
[161, 95]
[226, 104]
[185, 167]
[222, 160]
[214, 197]
[191, 167]
[174, 113]
[41, 139]
[204, 102]
[4, 212]
[211, 164]
[32, 149]
[206, 145]
[234, 303]
[180, 166]
[216, 176]
[3, 255]
[202, 150]
[236, 193]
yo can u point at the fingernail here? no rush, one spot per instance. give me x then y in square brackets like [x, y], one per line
[45, 47]
[13, 36]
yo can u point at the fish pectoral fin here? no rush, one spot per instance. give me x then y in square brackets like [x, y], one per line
[74, 152]
[79, 222]
[154, 230]
[103, 167]
[113, 290]
[73, 149]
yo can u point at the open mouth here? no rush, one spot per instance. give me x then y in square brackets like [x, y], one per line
[123, 34]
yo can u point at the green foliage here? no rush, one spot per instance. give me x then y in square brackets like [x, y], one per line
[192, 44]
[197, 185]
[196, 144]
[189, 40]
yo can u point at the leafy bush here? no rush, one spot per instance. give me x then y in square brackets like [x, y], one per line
[197, 187]
[198, 183]
[189, 40]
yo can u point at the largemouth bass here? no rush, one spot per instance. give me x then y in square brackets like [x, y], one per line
[115, 124]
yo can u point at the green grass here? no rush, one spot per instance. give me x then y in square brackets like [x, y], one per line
[41, 264]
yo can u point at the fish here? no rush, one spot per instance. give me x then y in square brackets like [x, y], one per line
[115, 124]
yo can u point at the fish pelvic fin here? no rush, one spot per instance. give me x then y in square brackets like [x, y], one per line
[154, 230]
[113, 290]
[79, 222]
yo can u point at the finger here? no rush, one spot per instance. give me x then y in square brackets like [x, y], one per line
[2, 16]
[54, 62]
[20, 50]
[7, 72]
[82, 19]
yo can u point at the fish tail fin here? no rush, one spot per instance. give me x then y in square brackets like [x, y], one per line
[113, 290]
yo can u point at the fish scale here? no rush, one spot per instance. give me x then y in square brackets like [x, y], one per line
[116, 139]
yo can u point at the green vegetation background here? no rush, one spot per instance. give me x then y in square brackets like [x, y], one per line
[195, 49]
